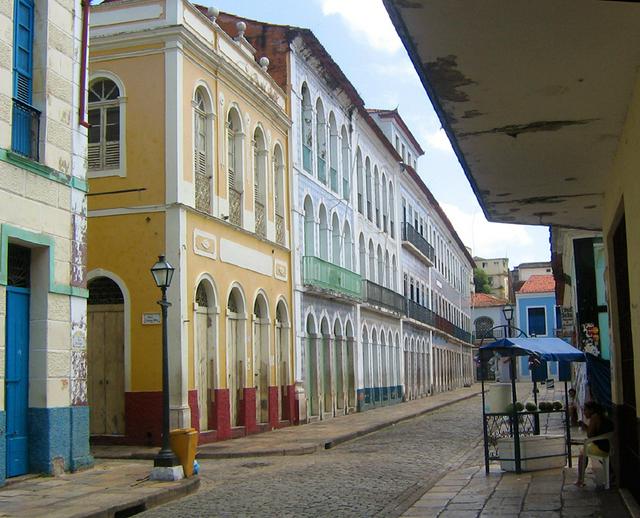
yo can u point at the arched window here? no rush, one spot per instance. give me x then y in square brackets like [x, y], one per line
[346, 166]
[234, 166]
[202, 149]
[372, 262]
[361, 198]
[333, 153]
[392, 211]
[482, 325]
[336, 249]
[347, 246]
[260, 181]
[362, 251]
[385, 204]
[307, 133]
[380, 258]
[106, 117]
[309, 226]
[367, 173]
[321, 141]
[376, 191]
[324, 233]
[394, 273]
[387, 270]
[278, 175]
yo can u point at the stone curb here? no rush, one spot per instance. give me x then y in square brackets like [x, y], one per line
[140, 504]
[308, 447]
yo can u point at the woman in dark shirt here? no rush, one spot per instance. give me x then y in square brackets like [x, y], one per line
[599, 424]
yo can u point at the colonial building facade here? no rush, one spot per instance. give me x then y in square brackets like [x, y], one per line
[348, 244]
[188, 156]
[44, 417]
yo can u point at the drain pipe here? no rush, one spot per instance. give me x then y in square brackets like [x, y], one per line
[82, 115]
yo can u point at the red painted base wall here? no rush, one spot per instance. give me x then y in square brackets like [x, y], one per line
[274, 420]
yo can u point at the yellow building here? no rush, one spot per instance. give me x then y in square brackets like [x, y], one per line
[187, 157]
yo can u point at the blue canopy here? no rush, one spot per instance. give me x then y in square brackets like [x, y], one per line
[549, 349]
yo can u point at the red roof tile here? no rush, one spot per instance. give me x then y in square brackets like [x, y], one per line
[484, 300]
[538, 284]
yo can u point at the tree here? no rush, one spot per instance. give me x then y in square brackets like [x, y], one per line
[481, 281]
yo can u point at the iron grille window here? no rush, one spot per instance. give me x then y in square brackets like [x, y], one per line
[103, 290]
[19, 266]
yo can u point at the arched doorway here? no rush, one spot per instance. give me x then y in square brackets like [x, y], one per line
[339, 347]
[236, 352]
[261, 356]
[205, 351]
[375, 382]
[283, 353]
[312, 368]
[327, 367]
[351, 371]
[105, 357]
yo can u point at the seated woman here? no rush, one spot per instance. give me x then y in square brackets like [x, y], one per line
[599, 424]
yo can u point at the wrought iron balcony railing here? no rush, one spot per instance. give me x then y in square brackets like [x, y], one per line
[323, 274]
[261, 220]
[420, 313]
[25, 130]
[410, 235]
[235, 206]
[380, 296]
[280, 229]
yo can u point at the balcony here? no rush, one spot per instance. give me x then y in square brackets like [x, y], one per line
[444, 325]
[377, 295]
[307, 163]
[417, 244]
[322, 170]
[322, 274]
[417, 312]
[26, 130]
[279, 229]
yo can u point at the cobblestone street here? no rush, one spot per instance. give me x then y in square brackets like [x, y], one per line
[366, 477]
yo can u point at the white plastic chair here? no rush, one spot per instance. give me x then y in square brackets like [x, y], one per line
[603, 460]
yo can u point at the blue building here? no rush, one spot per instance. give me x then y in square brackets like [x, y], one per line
[536, 315]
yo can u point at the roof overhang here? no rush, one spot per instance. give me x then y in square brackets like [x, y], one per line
[533, 96]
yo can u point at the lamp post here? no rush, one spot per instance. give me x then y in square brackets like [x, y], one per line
[165, 463]
[507, 312]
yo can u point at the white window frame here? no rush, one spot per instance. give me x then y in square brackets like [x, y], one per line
[122, 104]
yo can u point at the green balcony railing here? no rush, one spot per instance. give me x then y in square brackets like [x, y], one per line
[323, 274]
[322, 170]
[334, 179]
[307, 162]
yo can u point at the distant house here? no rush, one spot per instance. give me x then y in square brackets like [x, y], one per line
[536, 314]
[487, 312]
[497, 270]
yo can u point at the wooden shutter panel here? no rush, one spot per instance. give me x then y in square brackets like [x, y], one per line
[23, 50]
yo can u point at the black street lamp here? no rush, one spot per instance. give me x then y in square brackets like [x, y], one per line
[162, 273]
[507, 312]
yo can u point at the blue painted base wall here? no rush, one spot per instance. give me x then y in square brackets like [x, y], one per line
[3, 447]
[56, 436]
[374, 397]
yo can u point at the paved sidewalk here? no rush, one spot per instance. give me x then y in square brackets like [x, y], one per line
[110, 487]
[470, 493]
[309, 438]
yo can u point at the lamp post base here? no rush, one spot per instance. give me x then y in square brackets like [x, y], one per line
[167, 473]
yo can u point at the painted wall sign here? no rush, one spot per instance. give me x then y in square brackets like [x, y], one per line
[150, 319]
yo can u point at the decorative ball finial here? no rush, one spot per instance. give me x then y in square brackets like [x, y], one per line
[264, 63]
[213, 13]
[241, 26]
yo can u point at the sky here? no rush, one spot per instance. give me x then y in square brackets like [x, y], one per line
[361, 39]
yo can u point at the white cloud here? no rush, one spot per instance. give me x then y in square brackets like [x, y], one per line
[487, 239]
[438, 140]
[398, 69]
[366, 18]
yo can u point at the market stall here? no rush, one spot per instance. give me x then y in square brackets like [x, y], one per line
[511, 431]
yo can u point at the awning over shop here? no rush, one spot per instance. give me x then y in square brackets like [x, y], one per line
[547, 349]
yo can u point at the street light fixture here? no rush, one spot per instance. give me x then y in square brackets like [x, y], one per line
[166, 465]
[507, 312]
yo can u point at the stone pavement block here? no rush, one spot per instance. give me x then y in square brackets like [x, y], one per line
[540, 514]
[458, 514]
[493, 513]
[466, 506]
[542, 503]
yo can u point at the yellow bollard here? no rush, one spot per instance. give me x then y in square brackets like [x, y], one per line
[184, 443]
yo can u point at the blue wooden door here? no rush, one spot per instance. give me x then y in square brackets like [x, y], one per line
[17, 380]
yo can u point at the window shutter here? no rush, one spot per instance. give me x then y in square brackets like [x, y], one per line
[231, 159]
[23, 51]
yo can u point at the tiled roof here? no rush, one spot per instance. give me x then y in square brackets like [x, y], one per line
[484, 300]
[538, 284]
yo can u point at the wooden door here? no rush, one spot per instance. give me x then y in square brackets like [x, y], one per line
[202, 365]
[105, 363]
